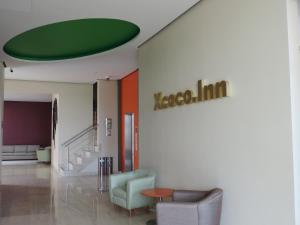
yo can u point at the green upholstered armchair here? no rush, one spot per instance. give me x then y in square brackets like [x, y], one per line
[125, 189]
[44, 155]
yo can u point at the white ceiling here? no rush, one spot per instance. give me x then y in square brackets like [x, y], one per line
[17, 16]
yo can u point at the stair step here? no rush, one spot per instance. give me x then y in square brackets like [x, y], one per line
[79, 160]
[71, 166]
[96, 148]
[87, 154]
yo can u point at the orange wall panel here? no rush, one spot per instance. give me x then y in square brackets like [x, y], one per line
[129, 104]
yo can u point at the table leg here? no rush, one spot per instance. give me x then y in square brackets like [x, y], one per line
[151, 222]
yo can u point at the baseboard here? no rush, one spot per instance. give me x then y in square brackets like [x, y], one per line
[19, 162]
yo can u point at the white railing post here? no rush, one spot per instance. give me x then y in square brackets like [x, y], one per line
[68, 158]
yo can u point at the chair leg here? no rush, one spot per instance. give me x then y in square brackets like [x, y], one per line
[131, 212]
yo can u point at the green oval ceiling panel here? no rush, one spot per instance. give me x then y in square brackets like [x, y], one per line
[71, 39]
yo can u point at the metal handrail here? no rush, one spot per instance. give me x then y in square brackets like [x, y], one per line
[79, 135]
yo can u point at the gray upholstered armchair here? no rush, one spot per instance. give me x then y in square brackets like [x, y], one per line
[192, 208]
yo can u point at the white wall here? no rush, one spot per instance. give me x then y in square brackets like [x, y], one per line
[1, 112]
[75, 105]
[242, 144]
[294, 57]
[108, 108]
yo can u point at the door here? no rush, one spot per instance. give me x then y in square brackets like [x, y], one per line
[129, 142]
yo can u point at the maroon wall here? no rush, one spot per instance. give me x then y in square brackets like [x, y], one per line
[27, 123]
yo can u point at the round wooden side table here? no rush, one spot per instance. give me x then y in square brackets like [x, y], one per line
[160, 194]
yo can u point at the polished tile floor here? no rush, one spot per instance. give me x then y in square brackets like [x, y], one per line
[34, 195]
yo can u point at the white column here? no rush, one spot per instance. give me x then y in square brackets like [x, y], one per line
[294, 60]
[108, 108]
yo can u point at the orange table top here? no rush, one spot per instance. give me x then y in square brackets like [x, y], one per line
[158, 192]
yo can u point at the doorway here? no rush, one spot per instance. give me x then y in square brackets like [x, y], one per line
[129, 141]
[26, 129]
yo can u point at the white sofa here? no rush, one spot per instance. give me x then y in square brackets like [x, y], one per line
[19, 152]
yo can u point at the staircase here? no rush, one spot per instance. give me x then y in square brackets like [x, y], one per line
[79, 152]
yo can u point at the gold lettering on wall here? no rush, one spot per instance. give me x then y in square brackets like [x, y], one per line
[157, 98]
[205, 93]
[221, 89]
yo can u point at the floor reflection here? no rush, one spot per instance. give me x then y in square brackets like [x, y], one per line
[24, 200]
[33, 195]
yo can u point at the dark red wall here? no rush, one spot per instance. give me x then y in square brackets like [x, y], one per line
[27, 123]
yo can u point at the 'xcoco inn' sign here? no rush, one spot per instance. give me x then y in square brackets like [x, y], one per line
[204, 93]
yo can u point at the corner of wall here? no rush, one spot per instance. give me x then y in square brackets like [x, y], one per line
[293, 21]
